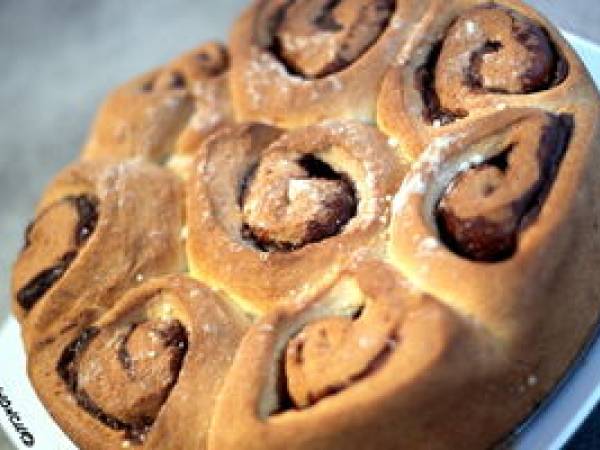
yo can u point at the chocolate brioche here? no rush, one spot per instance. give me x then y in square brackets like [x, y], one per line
[363, 224]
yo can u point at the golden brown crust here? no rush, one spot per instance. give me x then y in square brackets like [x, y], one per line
[263, 88]
[534, 296]
[402, 359]
[409, 325]
[146, 116]
[206, 335]
[138, 215]
[415, 238]
[256, 275]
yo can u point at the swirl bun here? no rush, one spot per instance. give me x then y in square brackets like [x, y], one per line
[274, 216]
[145, 117]
[508, 53]
[297, 63]
[480, 214]
[120, 222]
[365, 344]
[363, 225]
[476, 59]
[144, 373]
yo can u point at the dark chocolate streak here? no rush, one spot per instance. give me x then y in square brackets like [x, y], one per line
[482, 233]
[553, 147]
[315, 169]
[245, 183]
[177, 81]
[67, 370]
[325, 21]
[122, 352]
[42, 282]
[87, 209]
[425, 84]
[147, 86]
[36, 288]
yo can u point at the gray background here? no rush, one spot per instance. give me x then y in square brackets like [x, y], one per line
[60, 57]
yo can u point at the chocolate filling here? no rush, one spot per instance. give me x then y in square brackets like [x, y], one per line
[68, 369]
[433, 111]
[560, 70]
[245, 183]
[123, 352]
[484, 239]
[177, 81]
[285, 400]
[326, 21]
[341, 208]
[87, 211]
[147, 86]
[35, 289]
[350, 40]
[213, 60]
[530, 35]
[473, 75]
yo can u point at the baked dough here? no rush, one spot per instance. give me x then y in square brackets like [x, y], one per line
[364, 225]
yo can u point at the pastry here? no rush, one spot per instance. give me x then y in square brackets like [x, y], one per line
[101, 228]
[146, 372]
[274, 215]
[360, 225]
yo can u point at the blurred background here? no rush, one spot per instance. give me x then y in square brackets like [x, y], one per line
[59, 58]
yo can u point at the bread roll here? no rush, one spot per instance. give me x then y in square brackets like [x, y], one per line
[364, 225]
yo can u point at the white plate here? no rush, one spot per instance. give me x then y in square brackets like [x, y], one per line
[549, 429]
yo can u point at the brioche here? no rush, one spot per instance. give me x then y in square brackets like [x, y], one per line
[361, 225]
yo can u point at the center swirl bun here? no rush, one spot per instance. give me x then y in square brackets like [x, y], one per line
[267, 210]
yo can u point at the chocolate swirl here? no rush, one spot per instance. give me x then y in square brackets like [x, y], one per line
[352, 360]
[295, 200]
[271, 213]
[102, 227]
[485, 207]
[209, 60]
[123, 375]
[144, 371]
[488, 49]
[317, 38]
[52, 242]
[331, 354]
